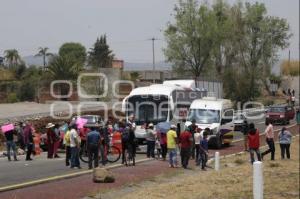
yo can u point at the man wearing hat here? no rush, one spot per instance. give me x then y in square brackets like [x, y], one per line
[150, 141]
[50, 139]
[172, 142]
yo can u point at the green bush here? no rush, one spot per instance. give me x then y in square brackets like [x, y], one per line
[12, 98]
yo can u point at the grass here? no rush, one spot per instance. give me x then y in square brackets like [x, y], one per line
[233, 181]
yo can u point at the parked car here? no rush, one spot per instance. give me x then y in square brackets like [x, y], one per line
[238, 121]
[91, 119]
[280, 114]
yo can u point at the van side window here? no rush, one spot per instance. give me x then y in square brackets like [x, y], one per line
[227, 116]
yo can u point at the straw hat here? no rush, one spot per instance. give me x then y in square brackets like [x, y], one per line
[49, 125]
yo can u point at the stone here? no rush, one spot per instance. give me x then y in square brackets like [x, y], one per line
[101, 175]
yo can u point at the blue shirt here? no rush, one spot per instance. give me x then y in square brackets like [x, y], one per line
[93, 138]
[204, 144]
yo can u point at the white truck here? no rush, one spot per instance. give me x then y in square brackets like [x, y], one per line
[215, 114]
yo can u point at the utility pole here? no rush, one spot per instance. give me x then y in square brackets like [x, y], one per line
[153, 59]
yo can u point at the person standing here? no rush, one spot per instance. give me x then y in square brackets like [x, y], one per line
[197, 138]
[270, 140]
[192, 129]
[253, 142]
[93, 144]
[28, 140]
[10, 144]
[104, 143]
[51, 138]
[245, 129]
[285, 139]
[75, 145]
[163, 145]
[204, 150]
[67, 146]
[172, 141]
[57, 140]
[20, 135]
[151, 136]
[185, 140]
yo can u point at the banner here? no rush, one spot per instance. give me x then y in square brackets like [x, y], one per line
[7, 127]
[81, 122]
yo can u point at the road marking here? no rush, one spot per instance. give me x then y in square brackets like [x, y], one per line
[59, 177]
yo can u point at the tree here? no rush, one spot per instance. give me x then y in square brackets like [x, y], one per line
[191, 39]
[43, 53]
[63, 68]
[12, 57]
[75, 51]
[258, 37]
[100, 56]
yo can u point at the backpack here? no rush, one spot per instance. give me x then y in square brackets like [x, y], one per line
[126, 134]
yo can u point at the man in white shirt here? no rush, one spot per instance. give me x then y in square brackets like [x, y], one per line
[75, 145]
[197, 138]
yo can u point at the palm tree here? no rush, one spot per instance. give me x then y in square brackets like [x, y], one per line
[12, 57]
[63, 68]
[43, 52]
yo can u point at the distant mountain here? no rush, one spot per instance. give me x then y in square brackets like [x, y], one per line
[38, 61]
[34, 60]
[146, 66]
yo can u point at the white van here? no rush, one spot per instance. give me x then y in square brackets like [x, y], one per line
[215, 114]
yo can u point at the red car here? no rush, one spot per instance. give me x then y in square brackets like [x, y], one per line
[280, 114]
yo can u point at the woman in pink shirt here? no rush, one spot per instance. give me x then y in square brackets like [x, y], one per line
[270, 140]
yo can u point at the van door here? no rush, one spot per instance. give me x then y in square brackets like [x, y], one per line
[227, 126]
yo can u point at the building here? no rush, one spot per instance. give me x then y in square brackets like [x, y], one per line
[117, 63]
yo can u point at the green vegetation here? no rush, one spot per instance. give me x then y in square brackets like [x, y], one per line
[100, 56]
[74, 51]
[236, 43]
[43, 52]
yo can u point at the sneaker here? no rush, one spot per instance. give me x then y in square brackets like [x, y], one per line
[16, 160]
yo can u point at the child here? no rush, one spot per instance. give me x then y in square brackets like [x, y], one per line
[253, 142]
[157, 145]
[204, 150]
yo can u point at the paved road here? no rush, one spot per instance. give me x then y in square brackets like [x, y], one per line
[41, 167]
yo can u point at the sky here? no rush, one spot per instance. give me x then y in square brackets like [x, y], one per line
[129, 25]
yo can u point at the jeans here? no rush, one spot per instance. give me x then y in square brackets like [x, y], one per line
[198, 159]
[252, 150]
[285, 148]
[270, 142]
[93, 154]
[172, 157]
[75, 157]
[150, 149]
[203, 159]
[185, 156]
[11, 145]
[68, 155]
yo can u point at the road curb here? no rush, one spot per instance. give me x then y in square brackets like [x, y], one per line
[61, 177]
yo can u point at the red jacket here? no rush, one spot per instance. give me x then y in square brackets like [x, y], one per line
[253, 139]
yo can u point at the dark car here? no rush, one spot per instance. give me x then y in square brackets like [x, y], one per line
[280, 114]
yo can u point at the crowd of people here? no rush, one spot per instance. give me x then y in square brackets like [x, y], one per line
[95, 138]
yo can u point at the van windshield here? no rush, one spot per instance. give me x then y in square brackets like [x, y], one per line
[204, 116]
